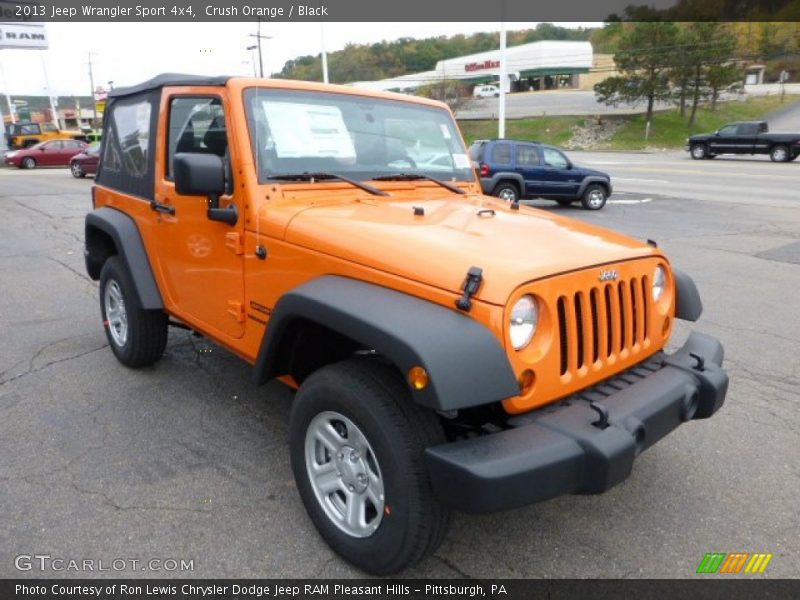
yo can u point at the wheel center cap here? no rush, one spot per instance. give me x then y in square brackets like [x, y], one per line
[352, 469]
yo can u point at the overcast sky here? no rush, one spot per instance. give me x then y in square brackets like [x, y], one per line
[127, 53]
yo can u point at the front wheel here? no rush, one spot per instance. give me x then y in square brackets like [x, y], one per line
[137, 337]
[506, 191]
[75, 169]
[357, 444]
[28, 163]
[594, 198]
[699, 151]
[779, 154]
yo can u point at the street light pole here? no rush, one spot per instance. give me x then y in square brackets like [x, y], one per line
[501, 129]
[324, 53]
[91, 83]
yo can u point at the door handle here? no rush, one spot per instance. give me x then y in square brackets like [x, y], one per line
[162, 208]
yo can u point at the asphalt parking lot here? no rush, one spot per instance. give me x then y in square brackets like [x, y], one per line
[188, 460]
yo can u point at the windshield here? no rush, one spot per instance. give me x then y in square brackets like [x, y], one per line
[359, 137]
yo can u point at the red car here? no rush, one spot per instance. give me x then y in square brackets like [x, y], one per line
[85, 163]
[53, 153]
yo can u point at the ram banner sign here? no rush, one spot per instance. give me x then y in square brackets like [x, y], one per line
[23, 35]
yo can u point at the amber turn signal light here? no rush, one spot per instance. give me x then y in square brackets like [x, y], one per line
[418, 377]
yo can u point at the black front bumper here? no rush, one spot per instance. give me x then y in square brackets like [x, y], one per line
[567, 448]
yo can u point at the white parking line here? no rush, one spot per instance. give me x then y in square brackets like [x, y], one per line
[637, 180]
[631, 201]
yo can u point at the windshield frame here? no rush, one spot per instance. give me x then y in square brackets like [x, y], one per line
[454, 143]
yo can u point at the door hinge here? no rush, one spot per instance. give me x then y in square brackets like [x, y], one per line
[234, 241]
[236, 310]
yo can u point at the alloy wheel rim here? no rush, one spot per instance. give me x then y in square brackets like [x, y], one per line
[698, 152]
[116, 315]
[508, 195]
[596, 198]
[779, 154]
[344, 474]
[76, 169]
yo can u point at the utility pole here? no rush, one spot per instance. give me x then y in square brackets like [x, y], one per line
[324, 53]
[260, 37]
[253, 58]
[91, 83]
[12, 110]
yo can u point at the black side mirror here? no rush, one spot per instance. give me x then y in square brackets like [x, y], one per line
[204, 175]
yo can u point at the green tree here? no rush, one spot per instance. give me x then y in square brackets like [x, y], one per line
[644, 58]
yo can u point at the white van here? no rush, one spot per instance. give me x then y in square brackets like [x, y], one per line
[486, 91]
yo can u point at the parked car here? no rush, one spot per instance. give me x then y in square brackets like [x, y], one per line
[85, 163]
[514, 170]
[449, 351]
[486, 91]
[55, 153]
[25, 135]
[745, 137]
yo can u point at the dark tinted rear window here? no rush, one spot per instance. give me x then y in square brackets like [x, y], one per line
[475, 151]
[501, 154]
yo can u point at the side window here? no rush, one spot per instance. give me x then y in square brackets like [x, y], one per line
[48, 127]
[29, 129]
[554, 158]
[128, 151]
[52, 146]
[501, 154]
[196, 125]
[728, 130]
[527, 156]
[748, 129]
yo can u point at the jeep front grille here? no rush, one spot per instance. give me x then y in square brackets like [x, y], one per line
[602, 324]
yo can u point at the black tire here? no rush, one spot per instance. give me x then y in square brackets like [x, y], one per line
[779, 153]
[699, 151]
[377, 401]
[27, 163]
[565, 202]
[75, 169]
[506, 190]
[146, 330]
[594, 197]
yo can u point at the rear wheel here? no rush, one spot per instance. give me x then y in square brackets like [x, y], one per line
[137, 337]
[594, 198]
[699, 151]
[506, 191]
[28, 163]
[779, 154]
[357, 445]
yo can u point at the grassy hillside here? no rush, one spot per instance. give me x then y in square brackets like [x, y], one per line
[668, 129]
[550, 130]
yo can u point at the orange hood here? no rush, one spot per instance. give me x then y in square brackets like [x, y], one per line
[511, 246]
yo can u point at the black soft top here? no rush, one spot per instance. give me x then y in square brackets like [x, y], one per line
[168, 79]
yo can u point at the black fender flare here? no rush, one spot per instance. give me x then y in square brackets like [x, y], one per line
[466, 363]
[125, 234]
[493, 181]
[587, 181]
[688, 305]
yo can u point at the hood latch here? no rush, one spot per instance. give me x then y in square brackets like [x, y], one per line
[471, 285]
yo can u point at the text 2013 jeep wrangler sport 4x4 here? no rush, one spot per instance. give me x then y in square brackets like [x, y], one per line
[450, 350]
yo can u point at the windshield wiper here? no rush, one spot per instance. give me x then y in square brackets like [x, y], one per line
[419, 177]
[312, 177]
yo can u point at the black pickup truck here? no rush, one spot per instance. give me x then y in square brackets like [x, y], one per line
[746, 137]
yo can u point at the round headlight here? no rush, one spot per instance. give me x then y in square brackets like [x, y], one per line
[659, 283]
[522, 323]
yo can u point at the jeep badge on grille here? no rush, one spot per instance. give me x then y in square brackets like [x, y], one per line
[610, 275]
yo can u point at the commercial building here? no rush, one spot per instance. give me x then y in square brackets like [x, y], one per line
[535, 66]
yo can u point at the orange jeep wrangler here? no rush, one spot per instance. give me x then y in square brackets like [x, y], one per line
[450, 351]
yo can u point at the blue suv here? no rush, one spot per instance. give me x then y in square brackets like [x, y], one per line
[514, 170]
